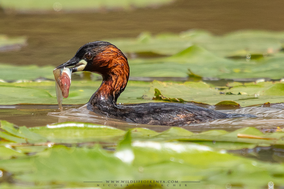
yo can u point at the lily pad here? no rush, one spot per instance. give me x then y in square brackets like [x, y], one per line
[19, 134]
[31, 6]
[151, 160]
[141, 92]
[249, 41]
[78, 132]
[9, 44]
[78, 165]
[245, 94]
[228, 103]
[80, 92]
[6, 153]
[197, 59]
[204, 63]
[72, 132]
[10, 72]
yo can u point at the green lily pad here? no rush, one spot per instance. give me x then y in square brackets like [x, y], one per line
[9, 44]
[204, 63]
[204, 54]
[9, 72]
[268, 67]
[249, 41]
[11, 138]
[246, 94]
[78, 165]
[78, 132]
[9, 127]
[167, 44]
[147, 156]
[80, 92]
[172, 134]
[150, 160]
[246, 130]
[27, 6]
[197, 59]
[142, 132]
[6, 153]
[227, 103]
[20, 134]
[150, 155]
[158, 96]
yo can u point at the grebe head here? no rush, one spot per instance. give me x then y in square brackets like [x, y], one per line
[106, 59]
[100, 57]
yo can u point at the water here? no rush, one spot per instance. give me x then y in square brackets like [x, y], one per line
[268, 118]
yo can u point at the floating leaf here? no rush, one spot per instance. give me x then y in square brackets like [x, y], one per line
[228, 103]
[78, 132]
[32, 6]
[148, 156]
[20, 135]
[7, 153]
[193, 76]
[11, 138]
[9, 44]
[142, 132]
[9, 127]
[248, 41]
[197, 59]
[80, 92]
[158, 96]
[10, 72]
[252, 93]
[78, 165]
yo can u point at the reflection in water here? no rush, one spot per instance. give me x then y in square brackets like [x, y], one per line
[268, 118]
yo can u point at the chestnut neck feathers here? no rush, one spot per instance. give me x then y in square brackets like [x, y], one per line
[112, 64]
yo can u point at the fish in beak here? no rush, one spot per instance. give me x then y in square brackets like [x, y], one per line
[62, 76]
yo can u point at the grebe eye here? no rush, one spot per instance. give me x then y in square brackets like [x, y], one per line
[88, 56]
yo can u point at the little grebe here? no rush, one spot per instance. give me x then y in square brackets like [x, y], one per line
[106, 59]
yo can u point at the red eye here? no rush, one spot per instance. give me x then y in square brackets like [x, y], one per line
[88, 56]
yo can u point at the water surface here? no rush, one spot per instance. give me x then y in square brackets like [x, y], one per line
[268, 118]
